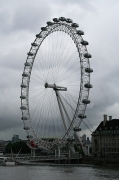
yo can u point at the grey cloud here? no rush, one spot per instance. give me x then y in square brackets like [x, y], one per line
[26, 15]
[22, 20]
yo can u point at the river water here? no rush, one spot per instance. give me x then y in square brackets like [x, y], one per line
[26, 172]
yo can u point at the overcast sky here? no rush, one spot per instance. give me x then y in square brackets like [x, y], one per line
[20, 21]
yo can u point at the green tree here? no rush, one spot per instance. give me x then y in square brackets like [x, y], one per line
[16, 146]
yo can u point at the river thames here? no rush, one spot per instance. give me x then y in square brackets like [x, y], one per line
[58, 173]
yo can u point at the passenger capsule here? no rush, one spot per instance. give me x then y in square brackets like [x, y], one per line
[82, 116]
[88, 85]
[88, 70]
[26, 128]
[23, 108]
[85, 101]
[29, 136]
[80, 32]
[76, 129]
[38, 36]
[24, 118]
[44, 28]
[23, 85]
[55, 19]
[70, 139]
[30, 54]
[62, 19]
[69, 20]
[49, 23]
[33, 144]
[25, 74]
[34, 44]
[23, 97]
[75, 25]
[85, 43]
[27, 64]
[87, 55]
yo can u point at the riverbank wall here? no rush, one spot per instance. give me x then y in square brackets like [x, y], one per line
[100, 161]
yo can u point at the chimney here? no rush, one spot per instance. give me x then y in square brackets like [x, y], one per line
[104, 120]
[110, 118]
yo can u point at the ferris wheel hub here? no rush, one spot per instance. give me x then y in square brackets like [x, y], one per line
[55, 87]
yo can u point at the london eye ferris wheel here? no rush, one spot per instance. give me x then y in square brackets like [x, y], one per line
[55, 84]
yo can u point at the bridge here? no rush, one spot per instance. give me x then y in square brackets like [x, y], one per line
[47, 158]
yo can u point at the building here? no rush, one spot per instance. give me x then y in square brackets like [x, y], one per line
[105, 139]
[88, 141]
[2, 146]
[15, 138]
[84, 138]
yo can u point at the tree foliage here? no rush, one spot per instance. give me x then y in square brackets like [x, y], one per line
[16, 146]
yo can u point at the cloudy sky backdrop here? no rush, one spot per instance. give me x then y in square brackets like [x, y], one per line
[20, 21]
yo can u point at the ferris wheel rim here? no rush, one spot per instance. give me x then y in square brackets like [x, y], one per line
[53, 28]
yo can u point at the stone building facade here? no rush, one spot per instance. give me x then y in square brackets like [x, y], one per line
[105, 139]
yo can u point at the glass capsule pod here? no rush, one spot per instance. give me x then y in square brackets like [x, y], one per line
[88, 70]
[76, 129]
[82, 116]
[55, 19]
[75, 25]
[62, 19]
[23, 85]
[85, 101]
[44, 28]
[23, 97]
[69, 20]
[24, 118]
[80, 32]
[38, 35]
[26, 128]
[30, 54]
[85, 43]
[23, 108]
[25, 74]
[87, 55]
[88, 85]
[49, 23]
[34, 44]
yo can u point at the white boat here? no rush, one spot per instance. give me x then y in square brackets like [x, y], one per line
[2, 161]
[10, 162]
[6, 161]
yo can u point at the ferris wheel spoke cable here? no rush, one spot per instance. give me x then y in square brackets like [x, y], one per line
[63, 64]
[36, 96]
[41, 118]
[72, 97]
[62, 47]
[69, 77]
[60, 54]
[36, 76]
[87, 126]
[68, 70]
[90, 124]
[69, 107]
[56, 48]
[49, 110]
[62, 68]
[43, 59]
[36, 66]
[36, 79]
[33, 110]
[69, 104]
